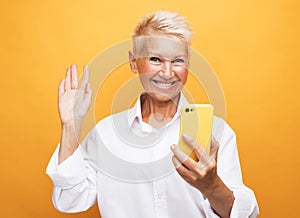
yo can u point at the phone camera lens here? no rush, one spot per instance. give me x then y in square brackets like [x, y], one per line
[187, 110]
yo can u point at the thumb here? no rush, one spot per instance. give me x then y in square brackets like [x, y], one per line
[214, 148]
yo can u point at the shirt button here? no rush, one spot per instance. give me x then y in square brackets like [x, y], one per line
[159, 196]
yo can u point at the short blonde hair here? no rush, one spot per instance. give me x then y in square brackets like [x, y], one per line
[163, 23]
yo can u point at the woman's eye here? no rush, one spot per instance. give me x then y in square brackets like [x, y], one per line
[178, 60]
[154, 59]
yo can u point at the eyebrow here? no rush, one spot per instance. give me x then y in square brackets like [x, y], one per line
[158, 55]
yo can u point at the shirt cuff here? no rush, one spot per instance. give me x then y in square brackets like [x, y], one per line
[70, 172]
[208, 211]
[244, 204]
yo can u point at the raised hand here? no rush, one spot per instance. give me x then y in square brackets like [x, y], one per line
[74, 102]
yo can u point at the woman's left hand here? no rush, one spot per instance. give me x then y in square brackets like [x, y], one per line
[202, 174]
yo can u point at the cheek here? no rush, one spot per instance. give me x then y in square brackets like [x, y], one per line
[144, 67]
[183, 75]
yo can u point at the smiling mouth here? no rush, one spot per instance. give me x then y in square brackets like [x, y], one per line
[163, 84]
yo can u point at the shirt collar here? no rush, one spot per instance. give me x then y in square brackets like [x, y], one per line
[136, 111]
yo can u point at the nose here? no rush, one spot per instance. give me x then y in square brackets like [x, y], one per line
[166, 71]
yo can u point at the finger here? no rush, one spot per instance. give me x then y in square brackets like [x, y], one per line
[61, 88]
[192, 143]
[87, 88]
[183, 158]
[181, 169]
[176, 162]
[67, 80]
[74, 77]
[88, 91]
[203, 157]
[85, 77]
[204, 162]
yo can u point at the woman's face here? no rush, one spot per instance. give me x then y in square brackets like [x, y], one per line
[162, 64]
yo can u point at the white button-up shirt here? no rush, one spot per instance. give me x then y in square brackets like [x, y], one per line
[125, 164]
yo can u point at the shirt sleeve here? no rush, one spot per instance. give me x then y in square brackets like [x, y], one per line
[74, 182]
[229, 170]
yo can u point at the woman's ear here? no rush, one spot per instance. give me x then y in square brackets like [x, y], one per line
[132, 62]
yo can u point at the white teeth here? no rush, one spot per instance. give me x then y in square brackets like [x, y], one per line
[164, 84]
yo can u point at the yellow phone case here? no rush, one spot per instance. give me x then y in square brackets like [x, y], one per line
[196, 120]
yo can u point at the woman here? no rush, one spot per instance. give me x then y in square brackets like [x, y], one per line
[196, 189]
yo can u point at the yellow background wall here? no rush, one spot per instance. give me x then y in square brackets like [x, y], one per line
[252, 45]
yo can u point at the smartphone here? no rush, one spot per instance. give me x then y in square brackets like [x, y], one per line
[196, 120]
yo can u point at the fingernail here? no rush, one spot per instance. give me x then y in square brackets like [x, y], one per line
[172, 147]
[187, 137]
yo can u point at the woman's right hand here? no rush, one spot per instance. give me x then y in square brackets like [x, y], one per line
[74, 102]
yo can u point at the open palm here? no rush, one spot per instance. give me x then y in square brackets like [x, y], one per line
[74, 101]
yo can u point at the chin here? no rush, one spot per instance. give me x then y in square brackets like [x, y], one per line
[162, 97]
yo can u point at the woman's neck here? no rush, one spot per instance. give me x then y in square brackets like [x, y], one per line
[158, 113]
